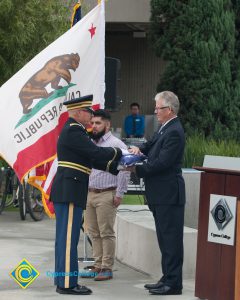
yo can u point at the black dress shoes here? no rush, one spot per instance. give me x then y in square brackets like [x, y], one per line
[77, 290]
[154, 285]
[166, 290]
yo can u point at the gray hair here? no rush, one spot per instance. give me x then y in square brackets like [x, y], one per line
[170, 99]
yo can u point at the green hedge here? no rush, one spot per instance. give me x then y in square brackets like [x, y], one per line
[197, 146]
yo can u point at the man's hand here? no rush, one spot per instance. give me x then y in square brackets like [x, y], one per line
[134, 150]
[117, 201]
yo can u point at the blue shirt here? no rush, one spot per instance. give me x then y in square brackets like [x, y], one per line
[137, 129]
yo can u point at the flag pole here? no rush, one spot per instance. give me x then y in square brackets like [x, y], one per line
[86, 239]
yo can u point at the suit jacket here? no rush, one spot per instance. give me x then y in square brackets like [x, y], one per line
[164, 184]
[77, 154]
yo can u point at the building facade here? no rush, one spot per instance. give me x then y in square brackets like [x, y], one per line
[127, 24]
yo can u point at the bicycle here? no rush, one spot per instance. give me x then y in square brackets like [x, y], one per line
[25, 196]
[11, 192]
[4, 188]
[33, 199]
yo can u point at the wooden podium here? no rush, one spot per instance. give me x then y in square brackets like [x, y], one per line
[218, 265]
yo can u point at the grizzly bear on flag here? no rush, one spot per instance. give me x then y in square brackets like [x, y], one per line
[56, 68]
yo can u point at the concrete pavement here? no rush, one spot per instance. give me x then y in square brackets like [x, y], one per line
[35, 242]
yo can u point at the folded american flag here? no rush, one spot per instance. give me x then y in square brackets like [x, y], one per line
[131, 159]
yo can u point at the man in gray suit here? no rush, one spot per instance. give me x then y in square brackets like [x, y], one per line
[165, 191]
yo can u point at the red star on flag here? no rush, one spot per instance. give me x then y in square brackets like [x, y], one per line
[92, 31]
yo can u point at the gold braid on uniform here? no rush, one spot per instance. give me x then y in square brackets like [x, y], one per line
[76, 124]
[72, 124]
[71, 165]
[110, 161]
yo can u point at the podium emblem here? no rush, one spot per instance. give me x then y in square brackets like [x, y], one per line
[221, 214]
[222, 219]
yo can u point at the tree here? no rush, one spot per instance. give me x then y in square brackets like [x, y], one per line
[236, 65]
[197, 39]
[27, 27]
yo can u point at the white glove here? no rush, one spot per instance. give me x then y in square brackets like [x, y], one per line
[125, 152]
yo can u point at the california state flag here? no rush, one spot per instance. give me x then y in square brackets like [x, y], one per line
[32, 112]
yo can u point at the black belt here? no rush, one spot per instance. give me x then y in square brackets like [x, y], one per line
[113, 188]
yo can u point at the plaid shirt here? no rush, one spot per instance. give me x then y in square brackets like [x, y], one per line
[100, 179]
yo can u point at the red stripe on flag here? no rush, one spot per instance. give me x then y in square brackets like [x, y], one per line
[39, 152]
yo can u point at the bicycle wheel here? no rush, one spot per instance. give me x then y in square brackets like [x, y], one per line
[15, 190]
[34, 204]
[21, 202]
[6, 191]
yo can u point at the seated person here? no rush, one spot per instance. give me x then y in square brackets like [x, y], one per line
[134, 124]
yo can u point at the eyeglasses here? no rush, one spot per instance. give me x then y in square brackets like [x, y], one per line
[160, 108]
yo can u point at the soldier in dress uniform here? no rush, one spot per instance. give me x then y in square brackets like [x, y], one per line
[77, 154]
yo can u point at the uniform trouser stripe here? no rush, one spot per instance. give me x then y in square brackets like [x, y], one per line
[67, 237]
[68, 243]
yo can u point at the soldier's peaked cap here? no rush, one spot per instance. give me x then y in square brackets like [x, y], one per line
[84, 102]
